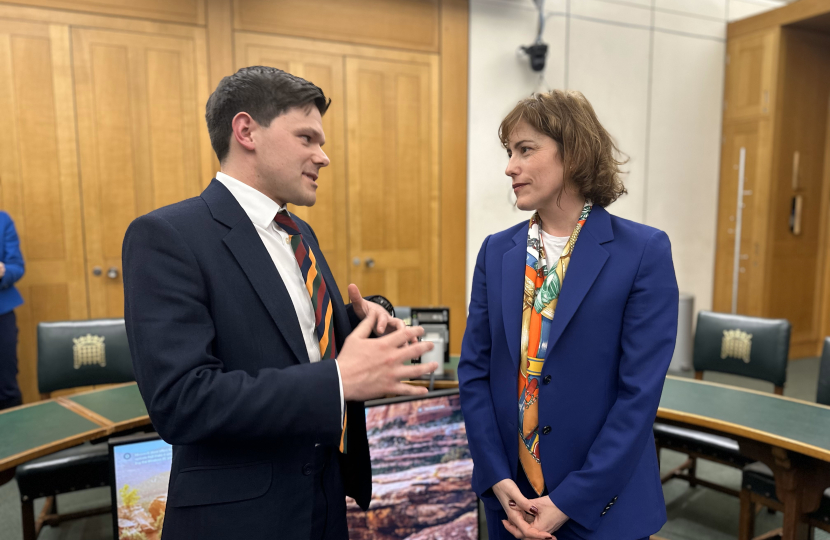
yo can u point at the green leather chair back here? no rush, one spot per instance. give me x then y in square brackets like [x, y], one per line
[748, 346]
[82, 353]
[823, 394]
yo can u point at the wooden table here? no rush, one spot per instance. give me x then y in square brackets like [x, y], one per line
[790, 436]
[38, 429]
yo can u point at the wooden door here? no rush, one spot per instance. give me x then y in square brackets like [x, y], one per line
[142, 138]
[794, 288]
[328, 215]
[392, 143]
[39, 180]
[752, 136]
[750, 72]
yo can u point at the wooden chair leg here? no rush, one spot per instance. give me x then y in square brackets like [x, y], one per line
[746, 518]
[50, 508]
[27, 511]
[692, 472]
[774, 534]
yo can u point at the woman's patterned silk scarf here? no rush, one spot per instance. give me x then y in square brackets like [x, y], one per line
[542, 287]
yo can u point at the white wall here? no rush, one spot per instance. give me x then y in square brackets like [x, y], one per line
[652, 69]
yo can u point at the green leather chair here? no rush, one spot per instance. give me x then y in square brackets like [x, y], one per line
[72, 354]
[748, 346]
[758, 482]
[82, 353]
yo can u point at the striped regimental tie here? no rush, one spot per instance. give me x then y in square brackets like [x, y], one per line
[320, 299]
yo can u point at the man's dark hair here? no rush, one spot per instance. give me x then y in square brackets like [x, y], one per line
[264, 93]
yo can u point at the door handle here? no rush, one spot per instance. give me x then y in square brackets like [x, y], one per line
[112, 273]
[96, 271]
[370, 263]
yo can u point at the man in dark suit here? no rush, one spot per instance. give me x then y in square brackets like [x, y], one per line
[242, 347]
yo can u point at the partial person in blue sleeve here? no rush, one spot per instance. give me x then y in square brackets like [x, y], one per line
[571, 329]
[11, 270]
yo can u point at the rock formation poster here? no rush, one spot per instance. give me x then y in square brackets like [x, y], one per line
[421, 474]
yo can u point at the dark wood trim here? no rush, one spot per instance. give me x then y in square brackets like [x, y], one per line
[50, 448]
[439, 385]
[27, 515]
[7, 475]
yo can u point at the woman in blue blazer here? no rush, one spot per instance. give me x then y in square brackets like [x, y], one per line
[571, 328]
[11, 270]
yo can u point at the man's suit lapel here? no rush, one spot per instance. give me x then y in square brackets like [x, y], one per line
[246, 246]
[587, 260]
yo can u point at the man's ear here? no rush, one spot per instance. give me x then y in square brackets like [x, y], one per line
[243, 127]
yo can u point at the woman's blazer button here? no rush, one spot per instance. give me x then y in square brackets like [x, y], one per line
[546, 380]
[545, 430]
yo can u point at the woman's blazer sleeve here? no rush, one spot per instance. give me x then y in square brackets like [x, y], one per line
[648, 336]
[12, 257]
[474, 383]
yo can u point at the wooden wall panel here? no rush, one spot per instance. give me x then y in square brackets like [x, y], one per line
[405, 24]
[39, 179]
[750, 76]
[220, 40]
[795, 270]
[790, 13]
[182, 11]
[454, 45]
[750, 278]
[392, 132]
[750, 95]
[141, 82]
[140, 114]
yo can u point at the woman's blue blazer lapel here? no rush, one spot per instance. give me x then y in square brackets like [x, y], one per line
[512, 291]
[587, 261]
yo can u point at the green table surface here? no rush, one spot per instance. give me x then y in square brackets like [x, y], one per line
[28, 428]
[794, 424]
[115, 404]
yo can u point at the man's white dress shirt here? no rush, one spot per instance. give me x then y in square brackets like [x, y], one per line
[262, 210]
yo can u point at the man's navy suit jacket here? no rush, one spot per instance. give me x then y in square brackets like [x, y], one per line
[610, 345]
[222, 366]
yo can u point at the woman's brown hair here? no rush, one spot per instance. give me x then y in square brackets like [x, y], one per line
[587, 150]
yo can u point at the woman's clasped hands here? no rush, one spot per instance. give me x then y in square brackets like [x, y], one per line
[532, 519]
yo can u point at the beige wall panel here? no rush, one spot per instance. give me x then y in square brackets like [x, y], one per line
[182, 11]
[328, 215]
[393, 179]
[140, 103]
[405, 24]
[39, 180]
